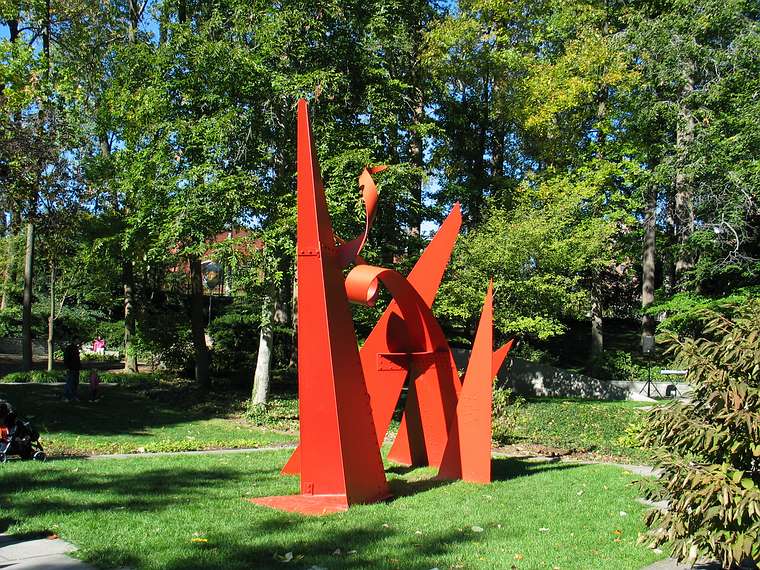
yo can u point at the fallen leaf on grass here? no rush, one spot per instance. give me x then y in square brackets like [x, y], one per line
[198, 539]
[337, 552]
[52, 537]
[519, 556]
[618, 532]
[477, 529]
[623, 514]
[543, 529]
[287, 557]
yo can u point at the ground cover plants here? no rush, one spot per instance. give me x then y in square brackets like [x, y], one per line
[604, 428]
[189, 512]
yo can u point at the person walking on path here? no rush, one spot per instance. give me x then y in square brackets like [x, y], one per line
[73, 365]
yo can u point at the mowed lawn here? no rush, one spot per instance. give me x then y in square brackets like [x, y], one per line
[189, 512]
[127, 419]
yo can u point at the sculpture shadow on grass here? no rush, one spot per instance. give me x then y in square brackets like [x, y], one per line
[255, 536]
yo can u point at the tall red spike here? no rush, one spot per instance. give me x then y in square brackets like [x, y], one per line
[468, 450]
[340, 461]
[499, 356]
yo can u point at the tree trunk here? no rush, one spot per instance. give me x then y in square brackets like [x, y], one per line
[181, 11]
[684, 206]
[51, 321]
[293, 362]
[264, 358]
[134, 21]
[597, 324]
[416, 151]
[26, 322]
[8, 276]
[46, 41]
[130, 356]
[648, 265]
[198, 324]
[597, 316]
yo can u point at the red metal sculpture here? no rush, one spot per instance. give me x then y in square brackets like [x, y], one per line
[347, 396]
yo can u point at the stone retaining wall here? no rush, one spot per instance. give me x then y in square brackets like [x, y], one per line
[535, 379]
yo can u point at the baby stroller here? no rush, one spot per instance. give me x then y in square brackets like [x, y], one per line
[18, 437]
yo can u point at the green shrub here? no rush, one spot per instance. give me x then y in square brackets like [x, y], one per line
[620, 365]
[709, 448]
[632, 437]
[126, 379]
[280, 413]
[163, 333]
[112, 332]
[506, 410]
[236, 338]
[95, 357]
[34, 377]
[10, 322]
[684, 312]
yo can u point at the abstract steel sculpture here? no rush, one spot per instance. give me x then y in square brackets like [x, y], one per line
[346, 395]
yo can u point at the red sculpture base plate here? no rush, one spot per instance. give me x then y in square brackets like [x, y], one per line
[314, 505]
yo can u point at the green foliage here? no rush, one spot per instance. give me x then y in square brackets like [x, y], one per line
[112, 332]
[633, 435]
[163, 333]
[235, 334]
[709, 447]
[10, 322]
[684, 312]
[34, 377]
[141, 379]
[506, 409]
[278, 413]
[620, 365]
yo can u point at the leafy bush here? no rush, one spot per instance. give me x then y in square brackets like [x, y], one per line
[126, 379]
[506, 409]
[684, 312]
[34, 377]
[620, 365]
[97, 357]
[112, 332]
[632, 436]
[163, 333]
[280, 413]
[236, 338]
[709, 448]
[10, 322]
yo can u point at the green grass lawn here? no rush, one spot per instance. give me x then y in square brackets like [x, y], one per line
[580, 425]
[171, 416]
[130, 419]
[188, 512]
